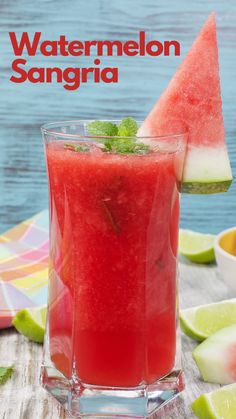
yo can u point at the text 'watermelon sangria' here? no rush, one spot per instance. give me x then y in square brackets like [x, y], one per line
[112, 314]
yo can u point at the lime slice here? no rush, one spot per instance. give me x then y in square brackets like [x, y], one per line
[197, 247]
[202, 321]
[217, 404]
[215, 357]
[5, 374]
[31, 323]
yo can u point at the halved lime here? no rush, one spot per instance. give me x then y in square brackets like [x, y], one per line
[202, 321]
[220, 403]
[31, 323]
[197, 247]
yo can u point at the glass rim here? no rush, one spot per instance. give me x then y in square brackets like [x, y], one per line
[47, 129]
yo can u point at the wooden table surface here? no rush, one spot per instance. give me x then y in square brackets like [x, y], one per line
[22, 397]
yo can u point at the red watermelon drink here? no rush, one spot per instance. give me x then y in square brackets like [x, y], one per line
[114, 231]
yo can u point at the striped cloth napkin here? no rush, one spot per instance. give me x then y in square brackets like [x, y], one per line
[23, 267]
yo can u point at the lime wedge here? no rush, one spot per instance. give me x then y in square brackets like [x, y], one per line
[31, 323]
[197, 247]
[5, 374]
[202, 321]
[217, 404]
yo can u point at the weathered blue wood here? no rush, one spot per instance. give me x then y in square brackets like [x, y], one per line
[24, 107]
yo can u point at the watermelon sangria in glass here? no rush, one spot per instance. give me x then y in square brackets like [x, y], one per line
[111, 346]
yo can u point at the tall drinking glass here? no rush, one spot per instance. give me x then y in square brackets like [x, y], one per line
[110, 346]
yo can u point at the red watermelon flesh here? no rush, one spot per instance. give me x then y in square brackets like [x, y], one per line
[192, 102]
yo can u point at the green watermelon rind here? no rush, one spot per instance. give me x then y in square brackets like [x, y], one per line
[206, 187]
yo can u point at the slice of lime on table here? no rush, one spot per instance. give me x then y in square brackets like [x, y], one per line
[31, 323]
[5, 374]
[197, 247]
[202, 321]
[218, 404]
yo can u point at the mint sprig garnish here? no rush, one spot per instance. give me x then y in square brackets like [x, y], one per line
[5, 374]
[127, 146]
[102, 128]
[119, 140]
[128, 127]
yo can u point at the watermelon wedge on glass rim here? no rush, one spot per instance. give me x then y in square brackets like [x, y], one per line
[192, 102]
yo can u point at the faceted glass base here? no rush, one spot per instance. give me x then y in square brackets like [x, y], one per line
[83, 400]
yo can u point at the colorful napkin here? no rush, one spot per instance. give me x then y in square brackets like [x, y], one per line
[23, 267]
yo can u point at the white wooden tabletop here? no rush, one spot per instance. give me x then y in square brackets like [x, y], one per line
[22, 398]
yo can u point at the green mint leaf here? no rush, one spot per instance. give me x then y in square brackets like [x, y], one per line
[5, 374]
[128, 127]
[126, 146]
[110, 217]
[78, 148]
[102, 128]
[108, 144]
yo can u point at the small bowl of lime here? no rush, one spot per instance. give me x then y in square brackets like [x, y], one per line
[225, 253]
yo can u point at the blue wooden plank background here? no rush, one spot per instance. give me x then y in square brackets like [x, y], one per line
[24, 107]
